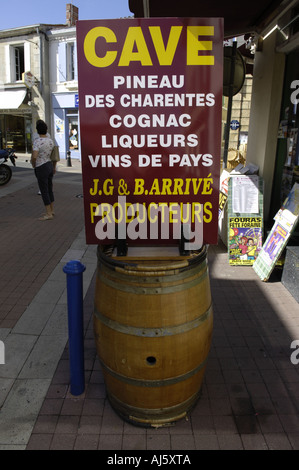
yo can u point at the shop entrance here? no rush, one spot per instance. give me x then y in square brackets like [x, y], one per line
[287, 156]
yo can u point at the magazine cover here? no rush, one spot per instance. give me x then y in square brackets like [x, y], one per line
[286, 220]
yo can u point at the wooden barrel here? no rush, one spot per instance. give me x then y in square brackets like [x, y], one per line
[153, 324]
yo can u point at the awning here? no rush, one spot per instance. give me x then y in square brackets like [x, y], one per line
[12, 99]
[239, 17]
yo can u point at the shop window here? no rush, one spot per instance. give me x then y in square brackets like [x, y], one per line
[14, 133]
[2, 133]
[73, 133]
[295, 24]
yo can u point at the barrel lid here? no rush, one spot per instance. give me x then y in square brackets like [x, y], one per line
[150, 264]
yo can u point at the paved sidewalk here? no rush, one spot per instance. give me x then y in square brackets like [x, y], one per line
[30, 248]
[33, 308]
[250, 394]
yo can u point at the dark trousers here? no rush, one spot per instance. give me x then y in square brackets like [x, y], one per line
[44, 175]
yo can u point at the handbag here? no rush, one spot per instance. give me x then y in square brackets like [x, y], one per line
[55, 157]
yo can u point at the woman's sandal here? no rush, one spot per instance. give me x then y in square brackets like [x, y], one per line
[43, 214]
[46, 217]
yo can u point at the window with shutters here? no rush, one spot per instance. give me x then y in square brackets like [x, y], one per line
[17, 62]
[71, 61]
[67, 62]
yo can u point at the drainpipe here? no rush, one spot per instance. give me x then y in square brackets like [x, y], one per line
[229, 106]
[41, 63]
[43, 38]
[146, 12]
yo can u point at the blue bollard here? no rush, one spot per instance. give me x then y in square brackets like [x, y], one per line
[74, 271]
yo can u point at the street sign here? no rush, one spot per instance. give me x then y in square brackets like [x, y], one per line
[28, 79]
[234, 125]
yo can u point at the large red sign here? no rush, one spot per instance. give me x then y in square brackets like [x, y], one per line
[150, 100]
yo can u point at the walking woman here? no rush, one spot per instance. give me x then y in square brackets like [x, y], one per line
[43, 167]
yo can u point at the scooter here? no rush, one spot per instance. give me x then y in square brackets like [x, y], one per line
[5, 170]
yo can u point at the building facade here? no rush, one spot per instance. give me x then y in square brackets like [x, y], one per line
[24, 84]
[38, 80]
[273, 143]
[64, 90]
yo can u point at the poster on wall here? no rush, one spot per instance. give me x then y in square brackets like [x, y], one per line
[59, 126]
[150, 102]
[245, 194]
[245, 218]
